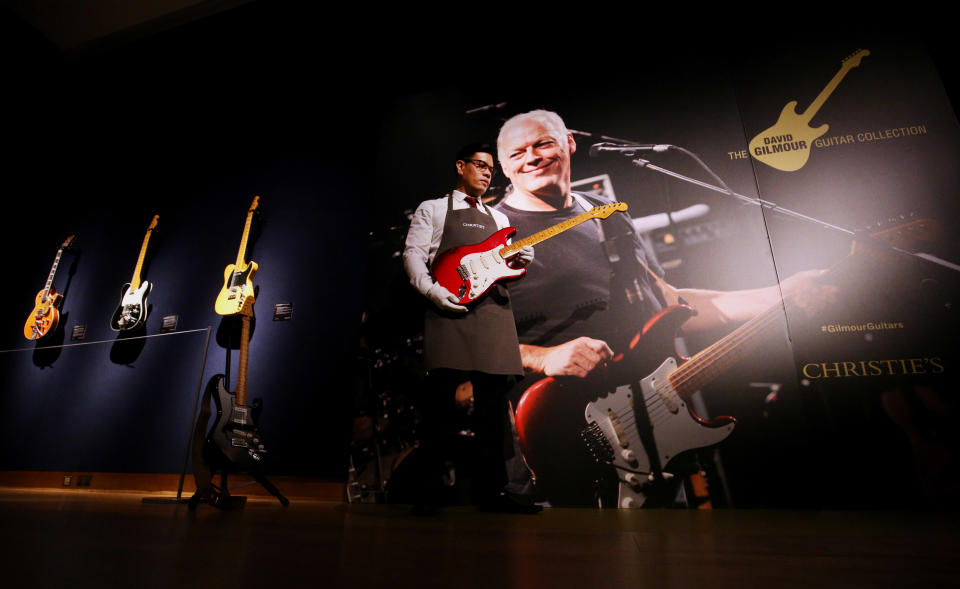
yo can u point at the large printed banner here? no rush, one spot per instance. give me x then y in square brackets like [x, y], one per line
[828, 167]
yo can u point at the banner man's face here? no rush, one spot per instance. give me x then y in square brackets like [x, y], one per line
[537, 162]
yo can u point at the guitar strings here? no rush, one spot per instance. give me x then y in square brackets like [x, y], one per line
[704, 364]
[700, 366]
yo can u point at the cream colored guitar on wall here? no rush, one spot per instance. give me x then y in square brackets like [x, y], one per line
[237, 288]
[786, 145]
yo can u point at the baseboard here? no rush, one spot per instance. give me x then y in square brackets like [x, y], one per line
[319, 489]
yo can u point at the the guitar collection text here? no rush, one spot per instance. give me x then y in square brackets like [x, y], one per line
[782, 143]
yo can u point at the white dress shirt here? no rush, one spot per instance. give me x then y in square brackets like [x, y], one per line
[426, 230]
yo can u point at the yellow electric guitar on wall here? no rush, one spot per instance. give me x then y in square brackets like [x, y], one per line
[238, 277]
[46, 313]
[786, 145]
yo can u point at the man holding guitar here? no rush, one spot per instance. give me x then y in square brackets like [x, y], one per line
[475, 342]
[591, 290]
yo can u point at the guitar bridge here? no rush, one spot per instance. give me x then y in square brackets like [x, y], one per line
[597, 444]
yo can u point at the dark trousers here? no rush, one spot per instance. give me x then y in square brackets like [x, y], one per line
[437, 410]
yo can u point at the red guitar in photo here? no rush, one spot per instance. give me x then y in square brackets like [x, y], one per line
[46, 313]
[468, 271]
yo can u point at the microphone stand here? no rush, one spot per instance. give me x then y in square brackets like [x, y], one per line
[765, 204]
[768, 205]
[640, 162]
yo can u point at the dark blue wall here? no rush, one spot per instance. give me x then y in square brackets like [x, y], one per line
[189, 125]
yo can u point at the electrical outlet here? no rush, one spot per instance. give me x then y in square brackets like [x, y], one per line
[67, 480]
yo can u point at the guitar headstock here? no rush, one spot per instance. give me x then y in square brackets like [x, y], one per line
[153, 223]
[906, 232]
[852, 61]
[604, 211]
[253, 205]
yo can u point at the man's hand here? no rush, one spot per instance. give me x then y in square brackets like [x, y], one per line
[522, 258]
[445, 299]
[810, 296]
[577, 357]
[717, 308]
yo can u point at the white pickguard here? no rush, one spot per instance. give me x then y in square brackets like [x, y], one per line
[482, 269]
[674, 430]
[133, 305]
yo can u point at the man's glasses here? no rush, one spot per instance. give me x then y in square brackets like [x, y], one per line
[483, 166]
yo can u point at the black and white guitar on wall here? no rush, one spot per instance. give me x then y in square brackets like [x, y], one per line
[131, 313]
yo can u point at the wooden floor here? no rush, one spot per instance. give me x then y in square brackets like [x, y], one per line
[97, 539]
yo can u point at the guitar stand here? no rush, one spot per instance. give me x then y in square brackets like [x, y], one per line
[207, 492]
[219, 495]
[271, 488]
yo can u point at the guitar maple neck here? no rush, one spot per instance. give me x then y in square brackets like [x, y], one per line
[601, 212]
[241, 255]
[241, 391]
[135, 281]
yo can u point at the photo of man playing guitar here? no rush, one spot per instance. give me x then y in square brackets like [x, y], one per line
[587, 295]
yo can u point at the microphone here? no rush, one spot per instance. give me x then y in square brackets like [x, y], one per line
[485, 108]
[626, 149]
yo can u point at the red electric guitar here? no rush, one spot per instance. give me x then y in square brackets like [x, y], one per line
[468, 271]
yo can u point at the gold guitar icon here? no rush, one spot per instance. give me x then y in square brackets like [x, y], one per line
[786, 145]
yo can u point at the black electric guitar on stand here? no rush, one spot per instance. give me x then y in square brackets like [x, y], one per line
[234, 443]
[235, 437]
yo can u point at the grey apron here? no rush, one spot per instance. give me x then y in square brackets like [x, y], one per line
[485, 337]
